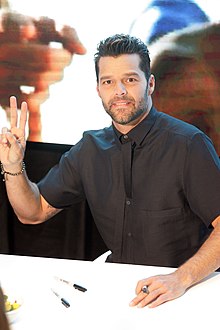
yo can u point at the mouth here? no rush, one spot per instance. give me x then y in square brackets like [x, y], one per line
[121, 103]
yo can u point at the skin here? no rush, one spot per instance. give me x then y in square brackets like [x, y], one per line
[126, 96]
[23, 42]
[186, 64]
[124, 90]
[196, 99]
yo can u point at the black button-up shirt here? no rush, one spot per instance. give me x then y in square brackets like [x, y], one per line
[153, 193]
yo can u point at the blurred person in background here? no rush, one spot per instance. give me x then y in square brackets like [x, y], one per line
[164, 16]
[185, 52]
[186, 65]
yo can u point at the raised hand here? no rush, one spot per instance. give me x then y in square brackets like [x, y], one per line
[12, 140]
[30, 63]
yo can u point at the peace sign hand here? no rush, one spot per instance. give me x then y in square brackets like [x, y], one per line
[13, 142]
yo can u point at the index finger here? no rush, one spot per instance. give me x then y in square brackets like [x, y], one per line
[71, 41]
[13, 112]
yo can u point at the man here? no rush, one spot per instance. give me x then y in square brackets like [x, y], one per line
[152, 181]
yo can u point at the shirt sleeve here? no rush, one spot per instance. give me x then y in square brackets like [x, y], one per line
[62, 187]
[202, 178]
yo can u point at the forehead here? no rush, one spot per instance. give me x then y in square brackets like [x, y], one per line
[122, 64]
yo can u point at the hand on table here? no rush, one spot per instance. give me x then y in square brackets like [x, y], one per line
[161, 289]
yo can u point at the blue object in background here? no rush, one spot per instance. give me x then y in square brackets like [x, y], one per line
[171, 15]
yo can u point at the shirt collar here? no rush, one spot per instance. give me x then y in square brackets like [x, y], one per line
[139, 132]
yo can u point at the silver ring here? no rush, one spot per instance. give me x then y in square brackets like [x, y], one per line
[145, 289]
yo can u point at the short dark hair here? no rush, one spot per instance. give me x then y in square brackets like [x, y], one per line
[120, 44]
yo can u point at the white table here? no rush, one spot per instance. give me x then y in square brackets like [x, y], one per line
[105, 305]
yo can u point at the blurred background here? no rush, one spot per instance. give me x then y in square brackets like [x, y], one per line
[73, 105]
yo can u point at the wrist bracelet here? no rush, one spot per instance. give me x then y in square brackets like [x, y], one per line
[3, 172]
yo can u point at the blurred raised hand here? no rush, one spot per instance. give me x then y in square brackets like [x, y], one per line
[30, 63]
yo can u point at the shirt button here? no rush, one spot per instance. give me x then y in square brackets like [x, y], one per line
[125, 137]
[128, 202]
[129, 234]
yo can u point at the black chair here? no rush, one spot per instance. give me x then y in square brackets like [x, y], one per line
[70, 234]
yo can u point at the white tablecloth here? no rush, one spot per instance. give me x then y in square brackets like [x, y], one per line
[105, 304]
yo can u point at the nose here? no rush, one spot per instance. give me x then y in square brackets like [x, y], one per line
[120, 89]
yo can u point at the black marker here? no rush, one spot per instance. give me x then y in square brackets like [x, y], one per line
[76, 286]
[79, 287]
[63, 300]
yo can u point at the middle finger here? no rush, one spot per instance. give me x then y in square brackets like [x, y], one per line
[23, 116]
[13, 112]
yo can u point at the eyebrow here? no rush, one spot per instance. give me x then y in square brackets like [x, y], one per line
[128, 74]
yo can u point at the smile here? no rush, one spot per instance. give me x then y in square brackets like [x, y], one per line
[120, 103]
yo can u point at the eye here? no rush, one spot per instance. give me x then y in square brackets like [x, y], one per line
[107, 82]
[131, 80]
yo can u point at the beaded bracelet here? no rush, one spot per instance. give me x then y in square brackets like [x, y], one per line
[3, 172]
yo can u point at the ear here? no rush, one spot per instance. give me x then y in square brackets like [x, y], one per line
[97, 88]
[151, 85]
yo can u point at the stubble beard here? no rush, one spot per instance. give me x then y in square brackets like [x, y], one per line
[124, 116]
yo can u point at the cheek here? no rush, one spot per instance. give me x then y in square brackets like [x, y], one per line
[140, 93]
[105, 94]
[101, 95]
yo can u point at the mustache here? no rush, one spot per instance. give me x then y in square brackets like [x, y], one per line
[116, 99]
